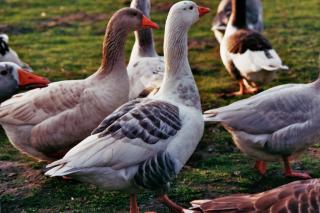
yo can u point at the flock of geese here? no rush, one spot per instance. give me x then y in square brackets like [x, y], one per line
[133, 127]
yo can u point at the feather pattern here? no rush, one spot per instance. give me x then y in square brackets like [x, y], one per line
[299, 196]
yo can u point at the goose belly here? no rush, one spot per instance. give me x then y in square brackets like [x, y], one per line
[253, 146]
[108, 178]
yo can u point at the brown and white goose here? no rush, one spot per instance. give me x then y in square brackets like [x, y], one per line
[299, 196]
[145, 143]
[7, 54]
[254, 17]
[275, 125]
[13, 78]
[146, 67]
[45, 123]
[247, 55]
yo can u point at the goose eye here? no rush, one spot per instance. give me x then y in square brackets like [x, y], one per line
[135, 14]
[191, 8]
[4, 72]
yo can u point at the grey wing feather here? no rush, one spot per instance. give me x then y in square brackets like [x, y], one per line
[116, 115]
[267, 112]
[125, 141]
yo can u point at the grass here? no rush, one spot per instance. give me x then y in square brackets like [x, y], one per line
[71, 50]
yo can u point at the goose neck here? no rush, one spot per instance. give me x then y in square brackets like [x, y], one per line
[144, 45]
[113, 50]
[178, 84]
[238, 15]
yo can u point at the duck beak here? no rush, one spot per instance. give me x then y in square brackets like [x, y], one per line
[203, 11]
[147, 23]
[29, 79]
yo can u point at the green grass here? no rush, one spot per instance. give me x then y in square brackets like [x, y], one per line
[71, 50]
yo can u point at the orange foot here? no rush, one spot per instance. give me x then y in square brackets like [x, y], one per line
[261, 166]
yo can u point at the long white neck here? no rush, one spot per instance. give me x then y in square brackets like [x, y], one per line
[178, 83]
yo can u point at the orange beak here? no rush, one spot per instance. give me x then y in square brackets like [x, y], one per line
[203, 11]
[147, 23]
[28, 79]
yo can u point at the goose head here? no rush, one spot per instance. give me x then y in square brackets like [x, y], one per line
[13, 77]
[133, 19]
[186, 13]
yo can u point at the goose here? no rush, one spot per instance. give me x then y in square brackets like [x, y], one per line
[254, 15]
[146, 142]
[277, 124]
[247, 55]
[299, 196]
[145, 67]
[45, 123]
[7, 54]
[13, 78]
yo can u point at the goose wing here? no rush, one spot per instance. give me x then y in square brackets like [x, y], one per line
[136, 132]
[269, 111]
[252, 52]
[34, 106]
[299, 196]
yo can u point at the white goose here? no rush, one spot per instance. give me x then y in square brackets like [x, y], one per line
[13, 78]
[146, 142]
[254, 15]
[145, 68]
[298, 196]
[7, 54]
[246, 54]
[45, 123]
[278, 124]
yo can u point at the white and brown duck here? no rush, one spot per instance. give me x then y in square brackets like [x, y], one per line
[299, 196]
[146, 67]
[254, 17]
[146, 142]
[13, 78]
[247, 55]
[45, 123]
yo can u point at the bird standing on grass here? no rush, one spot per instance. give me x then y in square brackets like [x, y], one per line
[145, 143]
[275, 125]
[46, 123]
[247, 55]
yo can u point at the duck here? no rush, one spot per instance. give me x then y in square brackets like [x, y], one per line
[247, 55]
[7, 54]
[45, 123]
[275, 125]
[254, 17]
[13, 78]
[299, 196]
[145, 67]
[146, 142]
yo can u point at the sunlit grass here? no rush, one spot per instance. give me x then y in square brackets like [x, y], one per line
[73, 51]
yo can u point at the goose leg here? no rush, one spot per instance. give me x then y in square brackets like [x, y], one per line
[244, 90]
[290, 173]
[169, 203]
[133, 204]
[261, 166]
